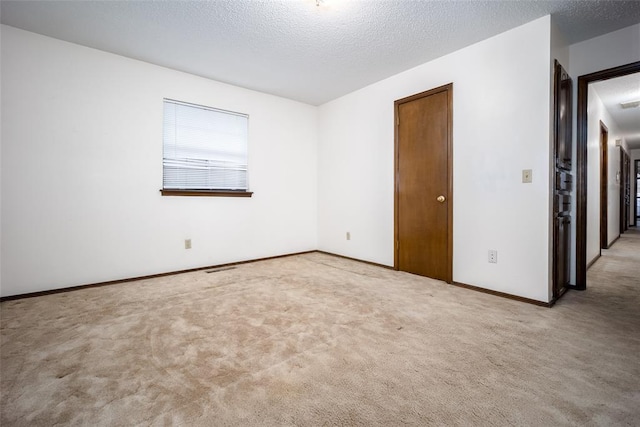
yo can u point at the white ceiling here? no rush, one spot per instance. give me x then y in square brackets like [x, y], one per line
[619, 90]
[295, 49]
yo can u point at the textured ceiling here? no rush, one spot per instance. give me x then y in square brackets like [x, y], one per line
[294, 48]
[615, 91]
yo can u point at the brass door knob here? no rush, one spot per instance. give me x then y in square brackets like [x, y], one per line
[441, 199]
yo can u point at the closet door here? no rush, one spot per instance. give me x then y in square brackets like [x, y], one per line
[563, 182]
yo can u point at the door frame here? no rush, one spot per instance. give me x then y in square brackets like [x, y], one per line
[622, 190]
[604, 184]
[581, 163]
[449, 89]
[634, 195]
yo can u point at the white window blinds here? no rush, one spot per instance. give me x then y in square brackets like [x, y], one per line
[204, 148]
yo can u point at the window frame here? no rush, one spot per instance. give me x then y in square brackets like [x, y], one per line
[204, 192]
[207, 193]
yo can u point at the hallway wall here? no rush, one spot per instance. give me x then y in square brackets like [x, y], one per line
[597, 112]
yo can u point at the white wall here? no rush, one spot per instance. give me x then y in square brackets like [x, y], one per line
[597, 112]
[82, 169]
[600, 53]
[607, 51]
[96, 116]
[559, 47]
[501, 90]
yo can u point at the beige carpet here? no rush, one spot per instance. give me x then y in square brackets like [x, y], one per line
[320, 340]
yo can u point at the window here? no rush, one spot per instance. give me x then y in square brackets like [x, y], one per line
[204, 151]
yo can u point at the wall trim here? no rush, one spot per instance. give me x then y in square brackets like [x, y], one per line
[133, 279]
[613, 242]
[504, 295]
[172, 273]
[593, 261]
[356, 259]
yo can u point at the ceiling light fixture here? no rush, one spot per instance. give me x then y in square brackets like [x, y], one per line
[630, 104]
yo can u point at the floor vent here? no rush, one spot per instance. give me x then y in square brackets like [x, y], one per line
[215, 270]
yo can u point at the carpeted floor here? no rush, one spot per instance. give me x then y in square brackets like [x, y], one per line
[320, 340]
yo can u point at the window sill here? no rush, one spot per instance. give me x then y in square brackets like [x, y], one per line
[206, 193]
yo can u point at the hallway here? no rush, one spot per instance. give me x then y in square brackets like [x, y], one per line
[614, 279]
[613, 284]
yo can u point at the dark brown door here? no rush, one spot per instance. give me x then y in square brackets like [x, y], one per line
[604, 181]
[423, 196]
[625, 190]
[635, 196]
[563, 181]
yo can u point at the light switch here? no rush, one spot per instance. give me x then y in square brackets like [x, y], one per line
[527, 176]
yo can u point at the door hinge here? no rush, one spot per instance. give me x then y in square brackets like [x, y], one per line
[397, 245]
[397, 120]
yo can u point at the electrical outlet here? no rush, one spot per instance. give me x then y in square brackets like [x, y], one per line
[187, 243]
[493, 256]
[527, 176]
[348, 235]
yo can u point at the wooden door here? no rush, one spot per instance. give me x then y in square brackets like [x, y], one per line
[563, 181]
[625, 190]
[604, 182]
[635, 196]
[423, 176]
